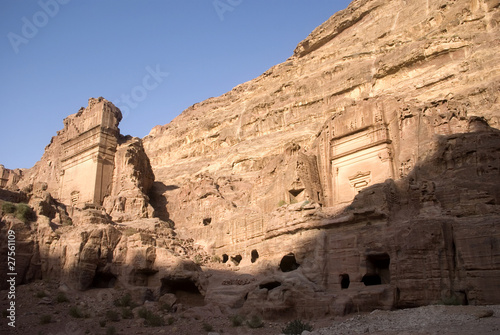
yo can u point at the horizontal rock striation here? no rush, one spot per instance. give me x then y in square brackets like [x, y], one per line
[362, 173]
[295, 161]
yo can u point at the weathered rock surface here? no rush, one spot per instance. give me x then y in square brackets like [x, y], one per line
[430, 62]
[9, 178]
[132, 181]
[382, 90]
[77, 165]
[100, 254]
[360, 174]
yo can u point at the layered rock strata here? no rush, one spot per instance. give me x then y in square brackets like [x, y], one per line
[373, 94]
[361, 173]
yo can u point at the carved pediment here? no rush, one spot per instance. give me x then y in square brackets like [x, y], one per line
[360, 180]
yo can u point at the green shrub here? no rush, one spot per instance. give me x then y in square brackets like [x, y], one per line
[296, 327]
[8, 207]
[111, 330]
[66, 221]
[236, 320]
[127, 313]
[41, 294]
[75, 312]
[255, 322]
[61, 297]
[125, 301]
[151, 319]
[143, 313]
[170, 223]
[24, 213]
[207, 327]
[305, 203]
[21, 211]
[112, 315]
[45, 319]
[198, 259]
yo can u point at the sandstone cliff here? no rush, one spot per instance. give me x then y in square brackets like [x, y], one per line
[361, 173]
[382, 90]
[394, 61]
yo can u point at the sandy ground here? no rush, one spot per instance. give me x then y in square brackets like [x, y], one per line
[40, 312]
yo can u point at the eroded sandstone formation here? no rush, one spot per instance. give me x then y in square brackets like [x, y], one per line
[361, 173]
[133, 179]
[371, 95]
[8, 177]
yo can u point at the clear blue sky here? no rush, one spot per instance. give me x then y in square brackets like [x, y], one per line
[53, 58]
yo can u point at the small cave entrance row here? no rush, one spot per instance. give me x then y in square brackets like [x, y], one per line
[185, 289]
[344, 281]
[289, 263]
[255, 255]
[377, 270]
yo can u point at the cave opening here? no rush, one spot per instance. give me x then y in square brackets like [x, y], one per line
[344, 281]
[207, 221]
[185, 289]
[371, 280]
[289, 263]
[270, 285]
[103, 280]
[225, 258]
[377, 270]
[236, 259]
[255, 255]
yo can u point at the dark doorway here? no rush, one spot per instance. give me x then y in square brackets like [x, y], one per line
[344, 281]
[254, 255]
[236, 259]
[370, 280]
[289, 263]
[103, 280]
[270, 285]
[377, 270]
[185, 290]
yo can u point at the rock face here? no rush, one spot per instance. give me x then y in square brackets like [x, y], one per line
[78, 163]
[360, 174]
[132, 181]
[384, 90]
[366, 77]
[9, 178]
[90, 163]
